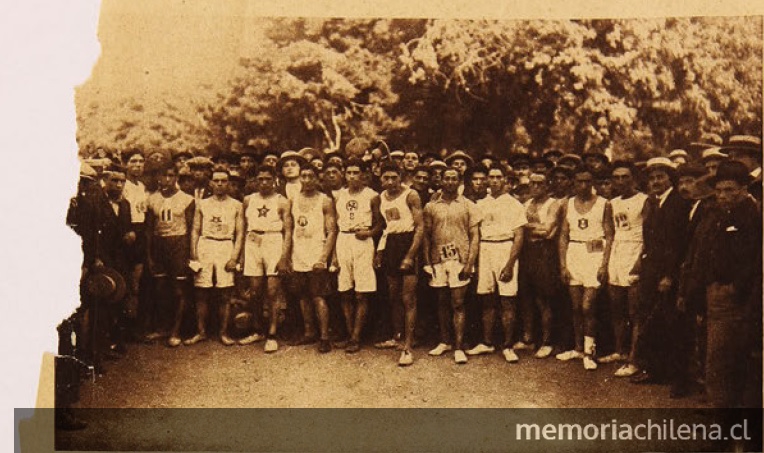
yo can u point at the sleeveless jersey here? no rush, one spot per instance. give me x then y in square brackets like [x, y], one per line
[397, 214]
[169, 213]
[354, 210]
[501, 216]
[309, 233]
[138, 197]
[538, 213]
[588, 226]
[263, 213]
[627, 217]
[219, 217]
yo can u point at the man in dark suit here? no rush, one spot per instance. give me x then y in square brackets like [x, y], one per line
[106, 230]
[664, 232]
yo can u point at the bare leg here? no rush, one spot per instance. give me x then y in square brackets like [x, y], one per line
[362, 306]
[322, 312]
[275, 298]
[576, 296]
[489, 317]
[348, 309]
[508, 318]
[545, 310]
[306, 306]
[410, 309]
[444, 308]
[180, 289]
[618, 298]
[457, 303]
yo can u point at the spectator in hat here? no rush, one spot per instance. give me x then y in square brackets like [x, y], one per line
[436, 173]
[570, 161]
[521, 164]
[678, 156]
[427, 158]
[664, 237]
[477, 183]
[289, 170]
[747, 149]
[553, 155]
[595, 161]
[185, 180]
[561, 182]
[724, 264]
[180, 158]
[711, 158]
[540, 165]
[460, 160]
[270, 159]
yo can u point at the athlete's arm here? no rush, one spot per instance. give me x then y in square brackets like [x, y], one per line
[609, 229]
[415, 205]
[196, 231]
[244, 206]
[562, 244]
[514, 253]
[285, 211]
[426, 237]
[553, 225]
[238, 241]
[149, 223]
[330, 226]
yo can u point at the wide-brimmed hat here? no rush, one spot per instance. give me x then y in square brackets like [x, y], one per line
[552, 152]
[707, 140]
[749, 144]
[459, 154]
[597, 154]
[732, 170]
[713, 153]
[105, 285]
[573, 159]
[200, 162]
[660, 163]
[678, 153]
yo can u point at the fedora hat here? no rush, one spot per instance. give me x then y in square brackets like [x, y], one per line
[105, 285]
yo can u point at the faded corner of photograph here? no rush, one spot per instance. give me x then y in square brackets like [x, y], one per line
[558, 217]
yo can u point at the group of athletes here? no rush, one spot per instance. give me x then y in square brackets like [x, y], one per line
[307, 237]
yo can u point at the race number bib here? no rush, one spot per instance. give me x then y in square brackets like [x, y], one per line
[449, 252]
[622, 221]
[392, 214]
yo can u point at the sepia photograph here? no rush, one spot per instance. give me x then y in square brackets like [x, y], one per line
[531, 233]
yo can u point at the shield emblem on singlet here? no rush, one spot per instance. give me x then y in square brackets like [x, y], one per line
[351, 205]
[302, 221]
[583, 224]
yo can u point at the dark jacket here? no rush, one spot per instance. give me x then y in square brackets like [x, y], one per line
[103, 231]
[726, 249]
[665, 240]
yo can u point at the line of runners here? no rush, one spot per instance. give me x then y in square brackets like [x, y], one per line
[309, 225]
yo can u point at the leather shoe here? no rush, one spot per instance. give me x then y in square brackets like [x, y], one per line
[643, 377]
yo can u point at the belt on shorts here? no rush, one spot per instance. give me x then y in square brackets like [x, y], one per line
[348, 232]
[217, 239]
[497, 241]
[264, 232]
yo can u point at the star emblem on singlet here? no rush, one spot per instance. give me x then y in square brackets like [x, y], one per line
[262, 212]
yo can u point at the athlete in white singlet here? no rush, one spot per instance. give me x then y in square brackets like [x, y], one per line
[216, 242]
[501, 239]
[358, 221]
[585, 241]
[397, 255]
[628, 215]
[135, 192]
[169, 219]
[313, 238]
[267, 250]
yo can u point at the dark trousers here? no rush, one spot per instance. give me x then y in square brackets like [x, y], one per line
[727, 351]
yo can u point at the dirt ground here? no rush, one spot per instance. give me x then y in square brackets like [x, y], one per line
[212, 375]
